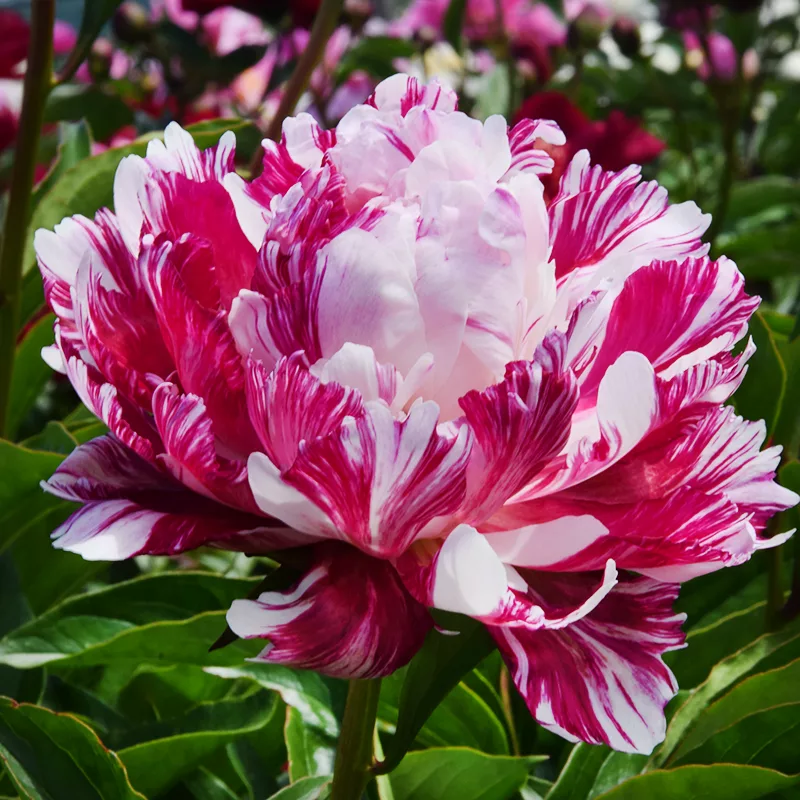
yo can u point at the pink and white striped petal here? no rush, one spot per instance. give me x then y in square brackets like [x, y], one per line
[601, 679]
[289, 406]
[199, 341]
[375, 482]
[711, 311]
[607, 224]
[519, 425]
[161, 523]
[349, 617]
[523, 139]
[191, 451]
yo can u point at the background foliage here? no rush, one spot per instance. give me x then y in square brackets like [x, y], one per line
[110, 690]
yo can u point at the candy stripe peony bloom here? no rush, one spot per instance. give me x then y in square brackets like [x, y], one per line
[392, 354]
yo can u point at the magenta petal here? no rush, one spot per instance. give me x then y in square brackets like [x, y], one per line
[600, 680]
[160, 523]
[290, 405]
[380, 480]
[205, 355]
[611, 220]
[191, 449]
[348, 617]
[519, 425]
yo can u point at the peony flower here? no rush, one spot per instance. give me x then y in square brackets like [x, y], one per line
[614, 143]
[521, 20]
[718, 59]
[392, 354]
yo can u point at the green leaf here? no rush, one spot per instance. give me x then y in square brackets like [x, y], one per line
[762, 392]
[167, 751]
[104, 112]
[453, 24]
[375, 55]
[749, 723]
[760, 654]
[95, 15]
[54, 756]
[432, 674]
[204, 785]
[162, 619]
[718, 781]
[311, 752]
[461, 719]
[709, 645]
[54, 437]
[307, 692]
[30, 372]
[74, 144]
[461, 773]
[304, 789]
[22, 501]
[591, 770]
[765, 252]
[494, 93]
[751, 197]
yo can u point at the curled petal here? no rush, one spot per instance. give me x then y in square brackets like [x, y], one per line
[709, 314]
[375, 482]
[608, 223]
[601, 679]
[525, 155]
[519, 425]
[191, 449]
[199, 341]
[349, 617]
[290, 405]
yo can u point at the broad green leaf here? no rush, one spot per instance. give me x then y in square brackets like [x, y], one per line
[307, 692]
[759, 654]
[161, 619]
[22, 500]
[54, 437]
[461, 719]
[74, 144]
[708, 645]
[30, 372]
[88, 186]
[591, 770]
[751, 197]
[311, 752]
[459, 772]
[49, 754]
[304, 789]
[494, 93]
[204, 785]
[166, 751]
[744, 721]
[721, 781]
[765, 252]
[95, 15]
[375, 55]
[432, 674]
[104, 112]
[762, 392]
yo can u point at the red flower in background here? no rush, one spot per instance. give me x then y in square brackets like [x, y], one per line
[614, 143]
[14, 36]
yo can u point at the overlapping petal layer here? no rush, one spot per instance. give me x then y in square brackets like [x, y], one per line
[395, 351]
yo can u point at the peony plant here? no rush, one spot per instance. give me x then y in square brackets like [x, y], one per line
[392, 355]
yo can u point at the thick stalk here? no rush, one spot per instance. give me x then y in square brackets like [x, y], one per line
[354, 755]
[324, 25]
[38, 80]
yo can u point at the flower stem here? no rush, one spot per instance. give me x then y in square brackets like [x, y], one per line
[324, 25]
[354, 755]
[38, 80]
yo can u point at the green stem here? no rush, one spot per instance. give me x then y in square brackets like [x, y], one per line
[351, 771]
[508, 708]
[324, 25]
[38, 80]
